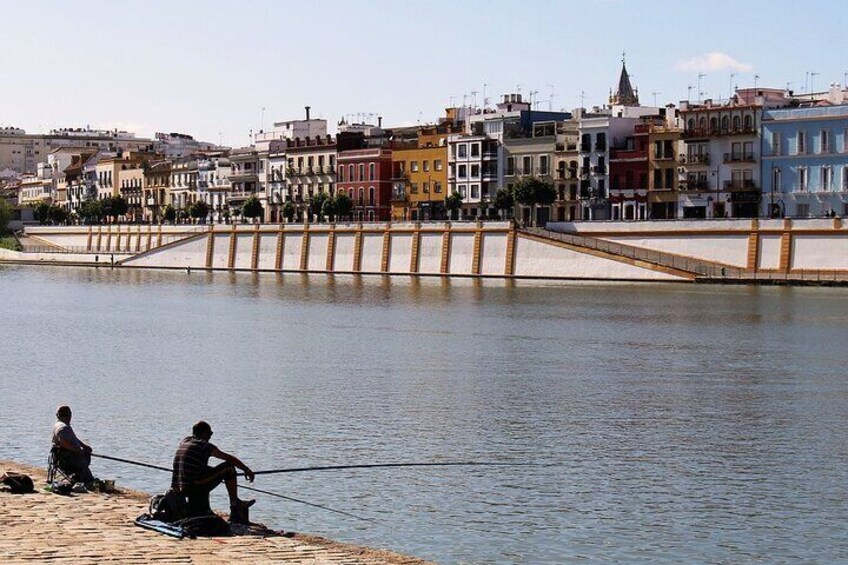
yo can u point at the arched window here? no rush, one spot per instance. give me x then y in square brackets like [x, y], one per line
[361, 172]
[341, 173]
[714, 124]
[362, 197]
[690, 125]
[725, 123]
[371, 196]
[749, 123]
[702, 122]
[350, 194]
[350, 177]
[736, 122]
[372, 171]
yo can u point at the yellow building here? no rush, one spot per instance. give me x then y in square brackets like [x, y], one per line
[420, 176]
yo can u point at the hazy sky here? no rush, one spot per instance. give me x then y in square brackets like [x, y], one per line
[207, 68]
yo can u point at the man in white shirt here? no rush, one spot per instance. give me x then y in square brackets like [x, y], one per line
[74, 457]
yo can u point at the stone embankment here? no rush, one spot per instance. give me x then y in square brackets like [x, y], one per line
[98, 528]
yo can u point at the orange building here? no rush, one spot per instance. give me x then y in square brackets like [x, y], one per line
[420, 176]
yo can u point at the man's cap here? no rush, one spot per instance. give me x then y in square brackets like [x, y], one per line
[63, 410]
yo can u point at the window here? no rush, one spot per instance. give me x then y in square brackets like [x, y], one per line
[737, 123]
[341, 173]
[475, 171]
[475, 191]
[475, 149]
[802, 178]
[527, 165]
[350, 175]
[321, 161]
[437, 165]
[825, 141]
[510, 166]
[426, 186]
[777, 180]
[413, 166]
[437, 186]
[845, 178]
[775, 143]
[463, 191]
[426, 165]
[361, 196]
[372, 171]
[463, 171]
[802, 210]
[543, 164]
[826, 178]
[371, 196]
[361, 172]
[802, 142]
[462, 150]
[725, 123]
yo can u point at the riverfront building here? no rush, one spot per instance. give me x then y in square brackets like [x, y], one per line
[420, 176]
[805, 159]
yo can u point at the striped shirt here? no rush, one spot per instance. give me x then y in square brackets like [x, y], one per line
[191, 462]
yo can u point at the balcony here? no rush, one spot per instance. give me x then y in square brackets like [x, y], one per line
[695, 159]
[490, 175]
[695, 185]
[600, 147]
[243, 176]
[663, 157]
[399, 195]
[585, 148]
[739, 158]
[627, 153]
[740, 185]
[490, 154]
[599, 170]
[584, 172]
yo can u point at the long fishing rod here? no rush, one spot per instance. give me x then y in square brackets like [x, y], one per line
[378, 465]
[322, 507]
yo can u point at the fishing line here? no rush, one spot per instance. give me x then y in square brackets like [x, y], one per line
[378, 465]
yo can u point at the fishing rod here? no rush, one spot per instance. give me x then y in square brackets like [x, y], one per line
[383, 465]
[322, 507]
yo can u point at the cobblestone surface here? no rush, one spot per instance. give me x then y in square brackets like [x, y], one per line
[98, 528]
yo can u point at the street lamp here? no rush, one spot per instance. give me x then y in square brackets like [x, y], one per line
[775, 175]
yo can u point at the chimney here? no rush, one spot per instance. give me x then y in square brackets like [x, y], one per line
[379, 121]
[307, 113]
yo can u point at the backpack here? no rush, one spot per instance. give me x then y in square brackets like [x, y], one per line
[205, 526]
[18, 483]
[169, 507]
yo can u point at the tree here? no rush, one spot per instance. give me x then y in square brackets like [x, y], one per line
[58, 214]
[344, 205]
[288, 211]
[530, 191]
[252, 208]
[453, 203]
[170, 214]
[504, 200]
[42, 212]
[329, 209]
[91, 211]
[316, 205]
[5, 215]
[114, 207]
[199, 210]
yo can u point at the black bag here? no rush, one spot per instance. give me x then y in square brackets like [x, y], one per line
[205, 526]
[18, 483]
[169, 507]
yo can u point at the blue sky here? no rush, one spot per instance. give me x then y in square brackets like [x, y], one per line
[208, 68]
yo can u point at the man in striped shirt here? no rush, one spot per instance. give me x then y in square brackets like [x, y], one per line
[193, 476]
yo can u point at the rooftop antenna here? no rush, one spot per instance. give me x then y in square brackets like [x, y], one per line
[730, 90]
[812, 82]
[420, 115]
[450, 104]
[474, 98]
[700, 92]
[220, 138]
[788, 86]
[655, 98]
[806, 81]
[756, 78]
[582, 100]
[532, 94]
[262, 119]
[464, 98]
[485, 100]
[689, 92]
[551, 99]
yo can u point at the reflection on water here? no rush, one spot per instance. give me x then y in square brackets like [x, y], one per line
[682, 423]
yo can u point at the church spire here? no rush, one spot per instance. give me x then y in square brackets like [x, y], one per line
[625, 95]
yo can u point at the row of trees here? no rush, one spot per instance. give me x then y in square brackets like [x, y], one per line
[89, 211]
[529, 191]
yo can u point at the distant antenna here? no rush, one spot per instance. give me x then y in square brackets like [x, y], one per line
[689, 92]
[700, 92]
[485, 99]
[220, 138]
[812, 82]
[451, 102]
[730, 90]
[655, 98]
[474, 98]
[262, 119]
[533, 93]
[756, 78]
[551, 99]
[582, 99]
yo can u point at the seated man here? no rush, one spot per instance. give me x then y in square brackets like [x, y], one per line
[74, 456]
[194, 478]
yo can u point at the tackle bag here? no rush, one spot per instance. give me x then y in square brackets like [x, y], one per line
[18, 483]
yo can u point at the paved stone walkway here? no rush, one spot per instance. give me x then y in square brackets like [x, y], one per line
[98, 528]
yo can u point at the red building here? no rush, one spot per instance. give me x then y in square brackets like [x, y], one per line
[366, 176]
[629, 175]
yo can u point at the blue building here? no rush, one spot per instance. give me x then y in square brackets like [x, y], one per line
[804, 160]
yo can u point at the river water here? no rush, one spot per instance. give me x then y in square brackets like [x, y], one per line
[676, 423]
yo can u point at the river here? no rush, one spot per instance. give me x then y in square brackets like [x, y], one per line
[675, 423]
